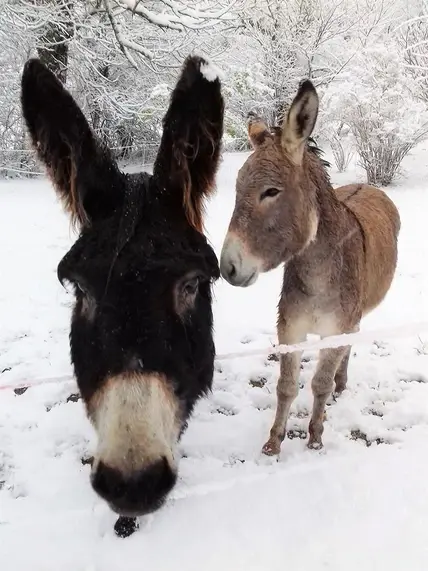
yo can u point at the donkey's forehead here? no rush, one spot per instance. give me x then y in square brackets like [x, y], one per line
[94, 256]
[266, 165]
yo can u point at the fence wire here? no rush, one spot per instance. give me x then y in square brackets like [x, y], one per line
[23, 163]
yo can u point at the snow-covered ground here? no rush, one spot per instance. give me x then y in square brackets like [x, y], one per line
[360, 503]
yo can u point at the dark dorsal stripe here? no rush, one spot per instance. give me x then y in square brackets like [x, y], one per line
[134, 196]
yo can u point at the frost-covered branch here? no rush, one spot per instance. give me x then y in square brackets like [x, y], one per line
[120, 40]
[179, 15]
[412, 36]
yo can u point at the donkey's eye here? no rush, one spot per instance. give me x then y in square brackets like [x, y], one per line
[80, 288]
[191, 287]
[185, 294]
[269, 193]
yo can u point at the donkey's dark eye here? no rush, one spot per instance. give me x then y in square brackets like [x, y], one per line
[80, 288]
[269, 193]
[191, 287]
[185, 294]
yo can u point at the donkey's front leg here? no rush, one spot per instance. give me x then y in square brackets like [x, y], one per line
[286, 389]
[322, 387]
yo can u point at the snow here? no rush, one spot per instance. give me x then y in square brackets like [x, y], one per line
[211, 72]
[347, 507]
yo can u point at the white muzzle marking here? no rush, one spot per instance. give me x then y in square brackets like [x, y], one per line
[137, 420]
[237, 265]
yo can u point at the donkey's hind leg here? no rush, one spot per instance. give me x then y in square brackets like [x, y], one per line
[341, 377]
[322, 387]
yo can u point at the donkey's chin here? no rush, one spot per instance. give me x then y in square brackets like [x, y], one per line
[243, 280]
[125, 511]
[250, 280]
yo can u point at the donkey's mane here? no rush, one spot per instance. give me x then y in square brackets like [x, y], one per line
[311, 146]
[317, 168]
[318, 152]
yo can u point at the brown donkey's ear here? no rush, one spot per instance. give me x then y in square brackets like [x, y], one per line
[300, 121]
[258, 131]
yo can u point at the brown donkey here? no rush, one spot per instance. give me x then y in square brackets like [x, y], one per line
[339, 248]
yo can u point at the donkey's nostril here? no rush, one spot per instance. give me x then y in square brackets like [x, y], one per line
[108, 482]
[232, 270]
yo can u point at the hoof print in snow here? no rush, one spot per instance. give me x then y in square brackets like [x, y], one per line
[380, 349]
[235, 460]
[258, 382]
[297, 433]
[85, 460]
[74, 397]
[301, 414]
[225, 411]
[375, 412]
[217, 367]
[247, 339]
[273, 357]
[20, 391]
[414, 378]
[125, 526]
[358, 435]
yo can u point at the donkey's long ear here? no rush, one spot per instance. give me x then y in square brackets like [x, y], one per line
[300, 121]
[189, 152]
[85, 177]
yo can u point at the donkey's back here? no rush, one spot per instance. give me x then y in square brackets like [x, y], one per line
[379, 221]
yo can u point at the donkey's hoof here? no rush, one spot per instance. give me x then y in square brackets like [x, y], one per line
[315, 444]
[271, 448]
[338, 392]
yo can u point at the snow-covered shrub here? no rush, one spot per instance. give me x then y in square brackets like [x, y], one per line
[340, 138]
[342, 149]
[376, 99]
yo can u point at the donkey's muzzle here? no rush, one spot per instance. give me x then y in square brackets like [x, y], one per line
[237, 266]
[138, 494]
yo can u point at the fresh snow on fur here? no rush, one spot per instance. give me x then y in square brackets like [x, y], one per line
[360, 503]
[211, 72]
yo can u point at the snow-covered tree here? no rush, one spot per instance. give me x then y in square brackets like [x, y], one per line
[302, 38]
[120, 58]
[166, 17]
[84, 44]
[375, 98]
[412, 36]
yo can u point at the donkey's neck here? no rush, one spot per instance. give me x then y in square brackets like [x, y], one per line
[336, 222]
[337, 225]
